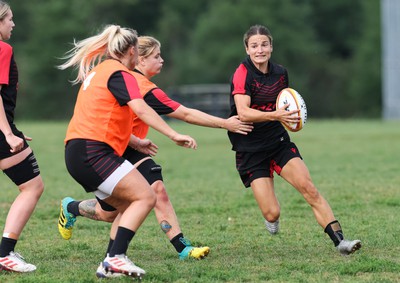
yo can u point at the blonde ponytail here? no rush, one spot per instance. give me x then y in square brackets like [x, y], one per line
[113, 42]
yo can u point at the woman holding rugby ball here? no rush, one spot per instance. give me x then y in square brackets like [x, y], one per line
[255, 86]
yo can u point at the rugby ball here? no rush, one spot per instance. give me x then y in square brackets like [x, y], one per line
[292, 97]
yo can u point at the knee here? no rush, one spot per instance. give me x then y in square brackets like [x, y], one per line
[272, 214]
[150, 199]
[107, 216]
[39, 193]
[35, 187]
[160, 192]
[39, 188]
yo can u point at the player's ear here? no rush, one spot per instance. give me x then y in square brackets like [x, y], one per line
[131, 51]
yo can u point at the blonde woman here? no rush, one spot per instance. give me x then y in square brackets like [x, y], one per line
[17, 160]
[100, 131]
[150, 64]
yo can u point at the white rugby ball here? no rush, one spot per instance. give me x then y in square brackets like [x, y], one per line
[292, 97]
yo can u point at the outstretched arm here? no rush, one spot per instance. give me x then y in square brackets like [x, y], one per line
[151, 118]
[197, 117]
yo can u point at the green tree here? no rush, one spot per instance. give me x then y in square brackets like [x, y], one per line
[365, 89]
[46, 31]
[324, 45]
[330, 48]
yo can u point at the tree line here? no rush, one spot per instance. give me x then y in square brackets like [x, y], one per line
[330, 48]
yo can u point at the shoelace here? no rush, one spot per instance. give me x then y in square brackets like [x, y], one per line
[17, 255]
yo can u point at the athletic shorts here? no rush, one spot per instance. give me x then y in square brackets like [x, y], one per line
[5, 148]
[133, 155]
[95, 166]
[254, 165]
[150, 170]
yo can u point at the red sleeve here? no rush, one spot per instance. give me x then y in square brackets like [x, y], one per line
[124, 87]
[164, 99]
[5, 61]
[239, 80]
[160, 102]
[132, 86]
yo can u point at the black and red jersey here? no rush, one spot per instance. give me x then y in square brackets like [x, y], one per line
[8, 80]
[263, 90]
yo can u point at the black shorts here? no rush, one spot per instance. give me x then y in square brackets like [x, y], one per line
[5, 148]
[90, 163]
[150, 170]
[254, 165]
[133, 155]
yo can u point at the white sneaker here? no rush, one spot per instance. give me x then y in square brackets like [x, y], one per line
[102, 273]
[347, 247]
[15, 262]
[122, 264]
[272, 227]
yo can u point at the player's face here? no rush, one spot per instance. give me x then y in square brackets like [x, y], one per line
[259, 49]
[6, 26]
[154, 62]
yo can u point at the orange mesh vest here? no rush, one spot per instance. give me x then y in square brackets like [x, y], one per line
[97, 114]
[140, 128]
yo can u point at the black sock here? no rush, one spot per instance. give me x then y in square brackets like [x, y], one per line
[73, 207]
[179, 242]
[110, 243]
[334, 230]
[121, 241]
[7, 245]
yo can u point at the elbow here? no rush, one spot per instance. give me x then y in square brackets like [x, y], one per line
[244, 118]
[188, 119]
[139, 111]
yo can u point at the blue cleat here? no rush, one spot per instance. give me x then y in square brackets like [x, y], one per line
[66, 220]
[193, 252]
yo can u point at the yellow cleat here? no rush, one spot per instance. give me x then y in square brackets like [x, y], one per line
[193, 252]
[66, 220]
[199, 253]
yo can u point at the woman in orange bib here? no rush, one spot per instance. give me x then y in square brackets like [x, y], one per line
[150, 64]
[100, 131]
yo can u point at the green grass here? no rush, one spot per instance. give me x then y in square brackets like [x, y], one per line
[355, 165]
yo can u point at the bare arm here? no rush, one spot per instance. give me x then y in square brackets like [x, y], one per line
[16, 143]
[151, 118]
[197, 117]
[246, 113]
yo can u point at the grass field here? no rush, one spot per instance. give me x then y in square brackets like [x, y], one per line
[355, 165]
